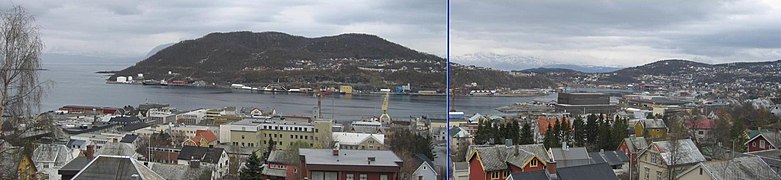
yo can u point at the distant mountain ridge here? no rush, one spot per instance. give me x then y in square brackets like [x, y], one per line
[512, 62]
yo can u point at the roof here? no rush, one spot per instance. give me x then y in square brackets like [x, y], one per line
[652, 123]
[208, 135]
[460, 166]
[181, 171]
[76, 164]
[747, 167]
[701, 124]
[117, 149]
[346, 138]
[56, 153]
[123, 119]
[687, 152]
[205, 154]
[350, 157]
[458, 132]
[274, 172]
[420, 158]
[774, 138]
[497, 157]
[772, 157]
[636, 144]
[599, 171]
[573, 156]
[279, 156]
[134, 126]
[612, 158]
[533, 175]
[753, 133]
[75, 142]
[115, 167]
[129, 138]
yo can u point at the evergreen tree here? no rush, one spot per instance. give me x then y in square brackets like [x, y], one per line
[251, 169]
[738, 136]
[269, 148]
[565, 131]
[620, 131]
[503, 133]
[481, 136]
[650, 116]
[556, 134]
[526, 134]
[604, 137]
[592, 130]
[578, 135]
[549, 140]
[424, 145]
[516, 132]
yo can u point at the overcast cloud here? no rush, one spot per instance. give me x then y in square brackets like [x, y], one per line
[120, 28]
[618, 33]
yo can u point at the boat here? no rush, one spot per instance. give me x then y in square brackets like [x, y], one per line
[151, 82]
[275, 88]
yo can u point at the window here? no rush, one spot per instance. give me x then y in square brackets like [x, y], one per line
[383, 177]
[700, 171]
[647, 173]
[754, 144]
[761, 144]
[701, 132]
[533, 163]
[364, 177]
[350, 177]
[653, 159]
[658, 175]
[242, 136]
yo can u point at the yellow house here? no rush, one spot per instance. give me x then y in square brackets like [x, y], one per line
[346, 89]
[650, 128]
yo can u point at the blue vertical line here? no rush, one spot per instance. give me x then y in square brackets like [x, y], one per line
[447, 92]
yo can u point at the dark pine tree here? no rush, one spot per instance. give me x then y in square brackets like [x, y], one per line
[592, 130]
[579, 134]
[526, 134]
[251, 169]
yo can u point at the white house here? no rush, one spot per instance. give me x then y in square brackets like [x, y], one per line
[425, 170]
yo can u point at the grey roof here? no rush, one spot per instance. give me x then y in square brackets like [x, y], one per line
[573, 156]
[279, 156]
[115, 167]
[205, 154]
[653, 123]
[134, 126]
[497, 157]
[350, 157]
[129, 138]
[772, 157]
[461, 165]
[117, 149]
[181, 171]
[587, 172]
[420, 158]
[612, 158]
[127, 120]
[76, 164]
[56, 153]
[747, 167]
[687, 152]
[274, 172]
[533, 175]
[365, 129]
[635, 144]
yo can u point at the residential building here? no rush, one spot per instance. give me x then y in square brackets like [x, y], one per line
[160, 115]
[205, 155]
[569, 156]
[632, 146]
[202, 138]
[701, 130]
[48, 158]
[498, 162]
[460, 171]
[259, 132]
[657, 161]
[192, 117]
[16, 163]
[650, 128]
[459, 137]
[181, 171]
[746, 167]
[772, 157]
[280, 166]
[425, 170]
[348, 140]
[188, 131]
[617, 160]
[342, 164]
[370, 127]
[764, 140]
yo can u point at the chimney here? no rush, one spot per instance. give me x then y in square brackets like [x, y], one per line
[372, 159]
[90, 154]
[551, 167]
[508, 142]
[335, 151]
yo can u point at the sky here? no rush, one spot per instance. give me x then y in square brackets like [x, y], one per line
[121, 28]
[618, 33]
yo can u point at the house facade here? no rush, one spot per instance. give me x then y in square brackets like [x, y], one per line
[663, 159]
[765, 140]
[650, 128]
[343, 164]
[498, 162]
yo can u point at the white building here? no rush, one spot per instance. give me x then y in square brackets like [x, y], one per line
[192, 117]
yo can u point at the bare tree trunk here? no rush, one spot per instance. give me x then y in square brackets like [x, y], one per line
[20, 90]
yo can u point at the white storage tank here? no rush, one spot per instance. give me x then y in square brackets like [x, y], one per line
[121, 79]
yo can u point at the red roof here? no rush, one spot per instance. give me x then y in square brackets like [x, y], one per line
[208, 135]
[543, 121]
[701, 124]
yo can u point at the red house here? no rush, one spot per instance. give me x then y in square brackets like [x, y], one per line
[632, 146]
[279, 167]
[498, 162]
[322, 164]
[765, 140]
